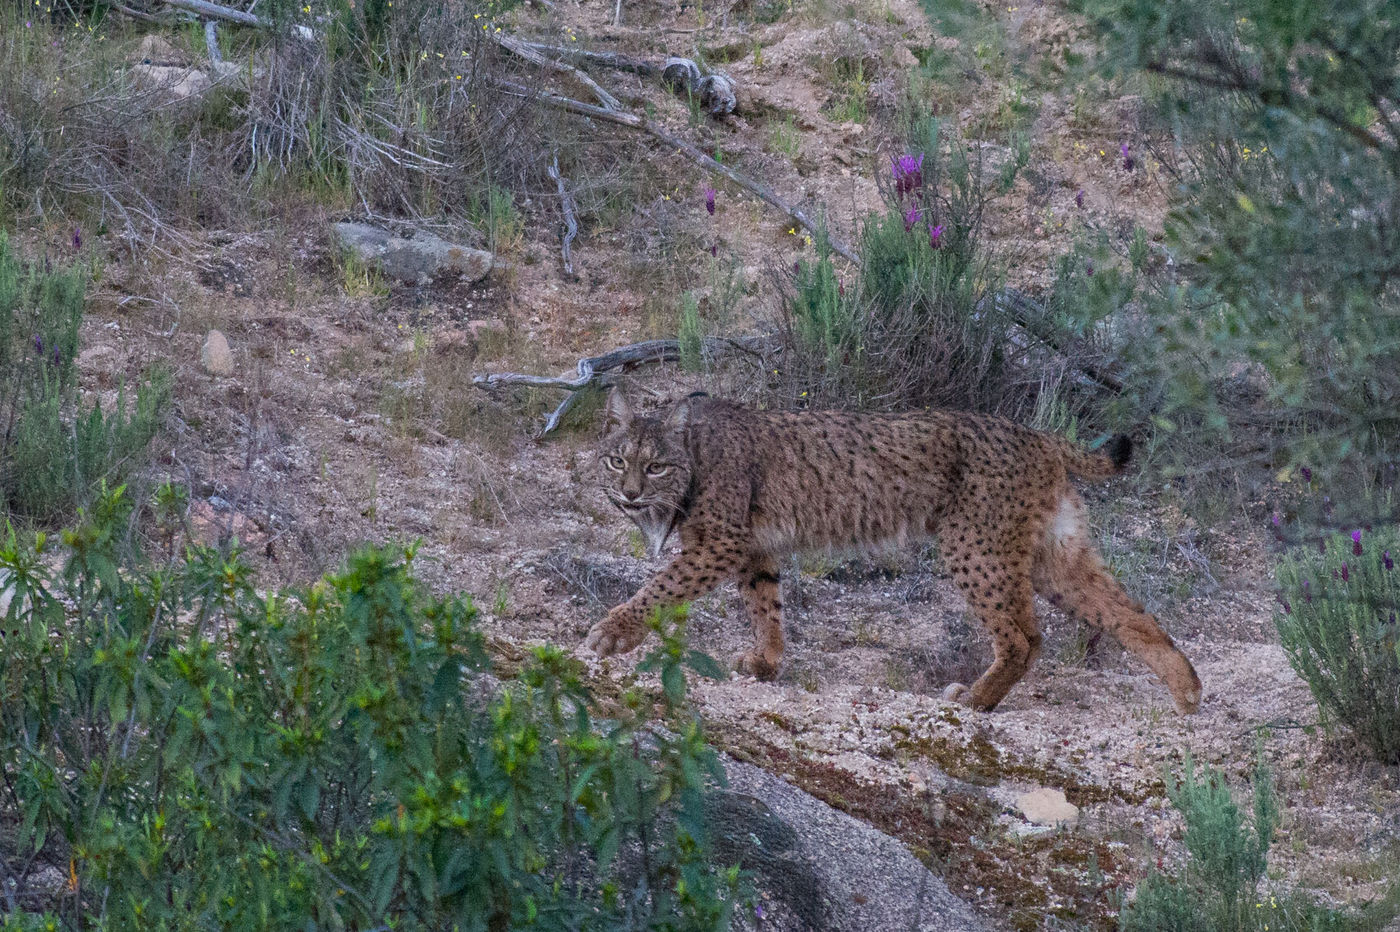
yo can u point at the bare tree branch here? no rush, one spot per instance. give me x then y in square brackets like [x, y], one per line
[531, 54]
[566, 204]
[589, 370]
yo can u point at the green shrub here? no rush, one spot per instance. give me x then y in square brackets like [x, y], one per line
[52, 455]
[690, 334]
[190, 753]
[1337, 621]
[1275, 142]
[1218, 889]
[918, 323]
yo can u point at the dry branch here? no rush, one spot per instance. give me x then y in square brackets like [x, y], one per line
[623, 118]
[588, 371]
[214, 11]
[531, 54]
[566, 204]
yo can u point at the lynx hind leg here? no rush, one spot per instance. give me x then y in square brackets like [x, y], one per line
[1069, 567]
[761, 591]
[993, 573]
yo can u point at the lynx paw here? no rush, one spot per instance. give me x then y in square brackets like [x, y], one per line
[614, 635]
[957, 692]
[754, 663]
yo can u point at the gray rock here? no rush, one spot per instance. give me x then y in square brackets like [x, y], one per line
[820, 870]
[215, 356]
[424, 258]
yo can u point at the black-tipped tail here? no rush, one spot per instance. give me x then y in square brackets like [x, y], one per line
[1120, 450]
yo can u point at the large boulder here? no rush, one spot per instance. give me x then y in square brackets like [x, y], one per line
[819, 870]
[419, 260]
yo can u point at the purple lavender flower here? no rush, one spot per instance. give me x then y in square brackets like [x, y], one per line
[1307, 474]
[1356, 543]
[1287, 609]
[38, 345]
[1307, 591]
[77, 238]
[1089, 268]
[908, 171]
[935, 236]
[1129, 163]
[714, 250]
[1385, 559]
[710, 201]
[911, 218]
[1079, 199]
[57, 359]
[1346, 574]
[1277, 519]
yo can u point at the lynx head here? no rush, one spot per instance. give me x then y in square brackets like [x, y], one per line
[646, 468]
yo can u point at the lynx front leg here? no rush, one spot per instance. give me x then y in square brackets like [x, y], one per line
[694, 572]
[761, 590]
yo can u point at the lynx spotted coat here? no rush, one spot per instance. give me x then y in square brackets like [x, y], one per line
[746, 488]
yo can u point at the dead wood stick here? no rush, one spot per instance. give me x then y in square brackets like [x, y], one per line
[135, 14]
[612, 60]
[526, 51]
[589, 370]
[211, 42]
[623, 118]
[1029, 314]
[214, 11]
[566, 204]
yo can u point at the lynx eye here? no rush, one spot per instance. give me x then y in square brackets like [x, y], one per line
[615, 463]
[658, 469]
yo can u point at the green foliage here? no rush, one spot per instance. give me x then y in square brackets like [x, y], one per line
[1338, 623]
[1284, 164]
[690, 335]
[918, 323]
[53, 455]
[192, 753]
[1218, 889]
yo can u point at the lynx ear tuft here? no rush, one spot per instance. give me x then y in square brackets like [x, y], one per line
[680, 413]
[619, 412]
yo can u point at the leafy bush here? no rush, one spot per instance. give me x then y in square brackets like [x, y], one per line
[1218, 890]
[1337, 621]
[1282, 158]
[51, 454]
[186, 752]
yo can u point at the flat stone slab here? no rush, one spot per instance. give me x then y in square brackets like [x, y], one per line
[417, 260]
[1047, 806]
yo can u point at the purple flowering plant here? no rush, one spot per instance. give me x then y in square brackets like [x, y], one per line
[908, 172]
[1334, 621]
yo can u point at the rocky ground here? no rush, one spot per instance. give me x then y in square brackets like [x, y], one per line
[347, 414]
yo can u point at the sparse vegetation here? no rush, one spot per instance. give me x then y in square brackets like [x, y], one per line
[1219, 889]
[55, 450]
